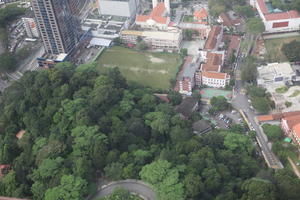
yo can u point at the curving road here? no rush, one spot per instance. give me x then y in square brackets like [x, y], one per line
[134, 186]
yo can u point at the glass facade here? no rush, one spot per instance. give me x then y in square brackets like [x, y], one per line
[58, 23]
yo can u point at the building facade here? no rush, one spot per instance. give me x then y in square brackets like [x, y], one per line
[215, 79]
[123, 8]
[155, 39]
[30, 27]
[58, 24]
[276, 20]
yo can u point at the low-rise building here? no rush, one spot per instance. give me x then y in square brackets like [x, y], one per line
[201, 16]
[122, 8]
[187, 82]
[226, 21]
[215, 79]
[106, 27]
[276, 20]
[30, 27]
[155, 39]
[201, 127]
[296, 134]
[214, 39]
[157, 19]
[50, 60]
[288, 122]
[187, 107]
[276, 73]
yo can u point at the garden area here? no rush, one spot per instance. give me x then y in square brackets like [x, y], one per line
[282, 89]
[155, 70]
[282, 147]
[188, 18]
[274, 46]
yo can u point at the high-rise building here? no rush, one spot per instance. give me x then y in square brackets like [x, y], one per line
[123, 8]
[58, 24]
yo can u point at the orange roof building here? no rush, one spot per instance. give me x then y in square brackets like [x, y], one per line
[214, 62]
[214, 38]
[3, 170]
[20, 134]
[279, 21]
[158, 18]
[201, 16]
[215, 79]
[296, 133]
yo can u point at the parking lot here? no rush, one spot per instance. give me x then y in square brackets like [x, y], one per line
[222, 120]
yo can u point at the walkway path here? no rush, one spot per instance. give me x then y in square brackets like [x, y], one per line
[134, 186]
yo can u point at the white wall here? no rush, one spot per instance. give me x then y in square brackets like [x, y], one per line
[118, 8]
[293, 25]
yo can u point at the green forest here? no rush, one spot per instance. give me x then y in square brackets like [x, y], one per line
[81, 126]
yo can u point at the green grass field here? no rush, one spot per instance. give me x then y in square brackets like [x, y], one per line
[149, 69]
[273, 47]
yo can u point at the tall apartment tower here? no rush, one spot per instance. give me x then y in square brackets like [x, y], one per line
[58, 24]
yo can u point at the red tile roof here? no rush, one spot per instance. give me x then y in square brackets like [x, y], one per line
[156, 15]
[201, 14]
[213, 62]
[296, 130]
[20, 134]
[9, 198]
[2, 168]
[233, 44]
[292, 120]
[212, 38]
[265, 118]
[158, 10]
[142, 18]
[226, 20]
[277, 116]
[215, 75]
[276, 16]
[163, 97]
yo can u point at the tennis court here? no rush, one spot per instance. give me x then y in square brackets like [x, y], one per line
[208, 93]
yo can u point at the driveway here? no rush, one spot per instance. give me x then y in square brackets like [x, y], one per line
[134, 186]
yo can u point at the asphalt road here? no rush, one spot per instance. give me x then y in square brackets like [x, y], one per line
[240, 101]
[133, 186]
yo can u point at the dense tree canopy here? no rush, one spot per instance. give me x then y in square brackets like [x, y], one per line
[255, 26]
[81, 126]
[292, 50]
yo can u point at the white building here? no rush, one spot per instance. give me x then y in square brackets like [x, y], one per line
[158, 19]
[275, 73]
[276, 20]
[215, 79]
[122, 8]
[155, 39]
[30, 27]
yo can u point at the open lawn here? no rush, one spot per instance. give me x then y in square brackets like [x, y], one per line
[273, 47]
[188, 18]
[149, 69]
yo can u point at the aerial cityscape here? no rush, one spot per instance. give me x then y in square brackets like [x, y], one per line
[149, 99]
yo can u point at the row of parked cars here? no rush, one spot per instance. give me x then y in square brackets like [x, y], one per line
[226, 119]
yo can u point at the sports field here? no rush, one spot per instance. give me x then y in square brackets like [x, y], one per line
[149, 69]
[273, 47]
[208, 93]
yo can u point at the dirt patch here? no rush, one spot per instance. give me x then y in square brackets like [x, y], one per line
[136, 69]
[155, 59]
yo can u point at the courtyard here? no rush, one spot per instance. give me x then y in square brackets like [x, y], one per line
[286, 98]
[208, 93]
[146, 68]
